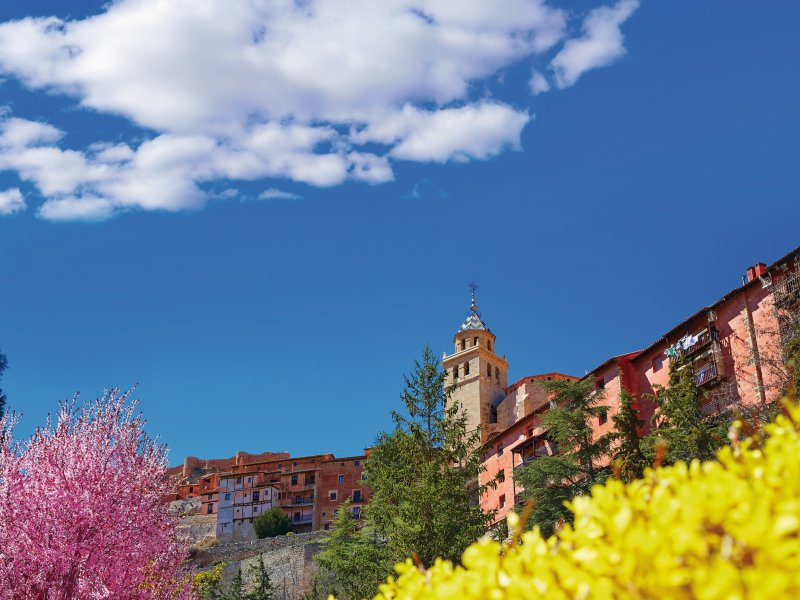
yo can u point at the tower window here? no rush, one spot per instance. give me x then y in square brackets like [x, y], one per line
[489, 344]
[466, 368]
[455, 371]
[476, 342]
[462, 344]
[489, 369]
[497, 373]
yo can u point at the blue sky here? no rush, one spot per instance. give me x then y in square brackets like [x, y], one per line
[394, 165]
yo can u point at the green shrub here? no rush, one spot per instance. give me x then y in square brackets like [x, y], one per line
[271, 523]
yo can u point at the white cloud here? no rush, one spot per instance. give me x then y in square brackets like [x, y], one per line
[476, 131]
[538, 83]
[600, 45]
[77, 208]
[11, 201]
[275, 194]
[21, 132]
[317, 92]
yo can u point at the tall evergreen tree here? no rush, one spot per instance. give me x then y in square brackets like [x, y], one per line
[263, 588]
[235, 590]
[424, 474]
[628, 454]
[355, 557]
[678, 420]
[552, 480]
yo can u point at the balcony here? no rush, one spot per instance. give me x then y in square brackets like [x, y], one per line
[704, 338]
[300, 500]
[537, 453]
[302, 519]
[706, 374]
[787, 290]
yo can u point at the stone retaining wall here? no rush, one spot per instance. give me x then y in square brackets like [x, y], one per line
[241, 550]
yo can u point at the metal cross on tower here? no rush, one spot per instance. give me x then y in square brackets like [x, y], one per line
[474, 287]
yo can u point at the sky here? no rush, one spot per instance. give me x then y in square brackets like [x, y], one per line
[260, 212]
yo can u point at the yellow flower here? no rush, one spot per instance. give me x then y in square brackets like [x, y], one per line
[728, 529]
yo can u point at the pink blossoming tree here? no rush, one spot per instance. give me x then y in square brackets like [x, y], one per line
[81, 514]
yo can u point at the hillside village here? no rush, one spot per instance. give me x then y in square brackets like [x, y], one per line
[733, 345]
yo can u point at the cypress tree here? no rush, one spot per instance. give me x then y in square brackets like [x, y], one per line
[679, 422]
[424, 474]
[356, 559]
[550, 481]
[628, 454]
[263, 589]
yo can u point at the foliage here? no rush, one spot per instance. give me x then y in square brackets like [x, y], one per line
[678, 421]
[206, 584]
[714, 530]
[263, 588]
[550, 481]
[423, 474]
[355, 556]
[3, 367]
[271, 523]
[629, 460]
[791, 353]
[81, 514]
[235, 590]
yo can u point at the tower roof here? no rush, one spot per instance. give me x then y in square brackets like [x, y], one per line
[473, 320]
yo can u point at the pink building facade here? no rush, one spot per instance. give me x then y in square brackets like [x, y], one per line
[734, 347]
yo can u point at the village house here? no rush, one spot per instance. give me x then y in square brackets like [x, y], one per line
[734, 348]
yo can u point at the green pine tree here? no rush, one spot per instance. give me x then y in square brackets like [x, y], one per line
[549, 481]
[235, 590]
[263, 588]
[628, 455]
[424, 474]
[356, 559]
[678, 421]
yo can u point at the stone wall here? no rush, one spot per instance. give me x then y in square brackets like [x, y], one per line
[288, 560]
[242, 550]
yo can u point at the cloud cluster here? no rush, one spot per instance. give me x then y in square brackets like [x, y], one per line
[11, 201]
[319, 91]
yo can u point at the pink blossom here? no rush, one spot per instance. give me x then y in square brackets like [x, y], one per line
[81, 514]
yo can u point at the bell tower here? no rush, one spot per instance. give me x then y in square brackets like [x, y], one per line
[479, 374]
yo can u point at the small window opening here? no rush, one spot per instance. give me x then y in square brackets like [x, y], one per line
[466, 368]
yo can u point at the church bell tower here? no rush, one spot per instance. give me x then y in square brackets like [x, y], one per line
[479, 374]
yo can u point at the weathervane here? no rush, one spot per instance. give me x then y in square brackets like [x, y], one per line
[473, 286]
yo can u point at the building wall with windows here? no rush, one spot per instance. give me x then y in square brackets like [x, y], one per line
[242, 497]
[734, 348]
[340, 479]
[294, 484]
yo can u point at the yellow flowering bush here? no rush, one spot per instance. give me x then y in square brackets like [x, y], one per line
[721, 529]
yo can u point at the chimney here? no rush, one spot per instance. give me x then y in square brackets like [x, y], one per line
[761, 268]
[751, 274]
